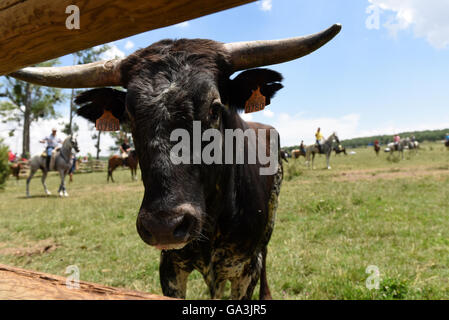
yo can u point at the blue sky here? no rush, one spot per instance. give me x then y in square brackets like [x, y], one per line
[370, 79]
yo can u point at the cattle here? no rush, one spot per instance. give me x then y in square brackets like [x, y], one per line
[214, 218]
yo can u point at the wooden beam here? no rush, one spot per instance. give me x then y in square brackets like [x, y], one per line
[21, 284]
[33, 31]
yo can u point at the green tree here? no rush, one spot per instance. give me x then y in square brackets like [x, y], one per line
[26, 102]
[4, 166]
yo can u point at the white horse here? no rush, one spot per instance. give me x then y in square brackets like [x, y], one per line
[326, 148]
[62, 164]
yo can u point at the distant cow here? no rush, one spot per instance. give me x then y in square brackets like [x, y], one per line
[215, 218]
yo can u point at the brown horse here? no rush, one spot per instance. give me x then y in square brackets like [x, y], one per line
[446, 143]
[117, 161]
[15, 169]
[377, 149]
[298, 153]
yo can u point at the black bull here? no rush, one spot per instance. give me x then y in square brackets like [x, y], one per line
[215, 218]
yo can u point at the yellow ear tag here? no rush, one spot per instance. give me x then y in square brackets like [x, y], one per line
[256, 102]
[107, 122]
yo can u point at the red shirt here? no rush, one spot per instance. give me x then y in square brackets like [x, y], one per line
[11, 156]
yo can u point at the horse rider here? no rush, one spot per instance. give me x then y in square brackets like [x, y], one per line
[396, 140]
[11, 157]
[72, 168]
[319, 138]
[302, 148]
[52, 142]
[125, 148]
[447, 137]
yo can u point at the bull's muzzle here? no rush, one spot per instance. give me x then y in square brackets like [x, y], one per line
[168, 229]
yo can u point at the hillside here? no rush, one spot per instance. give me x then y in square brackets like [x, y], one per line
[427, 135]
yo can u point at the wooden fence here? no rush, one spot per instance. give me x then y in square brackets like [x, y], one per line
[21, 284]
[92, 166]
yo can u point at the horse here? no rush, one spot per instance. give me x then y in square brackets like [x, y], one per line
[298, 153]
[399, 147]
[117, 161]
[326, 148]
[446, 143]
[340, 149]
[15, 169]
[62, 163]
[376, 149]
[412, 145]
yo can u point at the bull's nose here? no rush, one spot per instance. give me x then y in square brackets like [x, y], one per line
[166, 228]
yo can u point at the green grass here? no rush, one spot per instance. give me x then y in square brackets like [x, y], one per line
[331, 225]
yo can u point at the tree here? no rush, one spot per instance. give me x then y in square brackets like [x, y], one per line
[4, 166]
[26, 102]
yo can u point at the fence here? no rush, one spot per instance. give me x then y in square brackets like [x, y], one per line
[91, 166]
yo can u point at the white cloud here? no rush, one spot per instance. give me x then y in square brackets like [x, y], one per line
[129, 45]
[41, 129]
[268, 113]
[265, 5]
[184, 24]
[246, 116]
[293, 129]
[428, 19]
[112, 53]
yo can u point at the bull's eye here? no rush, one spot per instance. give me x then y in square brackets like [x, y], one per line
[215, 111]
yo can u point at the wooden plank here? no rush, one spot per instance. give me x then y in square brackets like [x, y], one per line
[21, 284]
[33, 31]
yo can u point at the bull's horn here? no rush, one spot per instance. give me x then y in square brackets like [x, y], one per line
[96, 74]
[253, 54]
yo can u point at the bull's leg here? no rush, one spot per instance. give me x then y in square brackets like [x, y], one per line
[264, 293]
[216, 287]
[173, 278]
[44, 177]
[242, 288]
[32, 172]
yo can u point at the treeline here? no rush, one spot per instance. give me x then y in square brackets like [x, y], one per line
[427, 135]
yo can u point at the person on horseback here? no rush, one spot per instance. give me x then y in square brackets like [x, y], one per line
[52, 142]
[396, 140]
[125, 148]
[11, 157]
[302, 147]
[447, 137]
[319, 138]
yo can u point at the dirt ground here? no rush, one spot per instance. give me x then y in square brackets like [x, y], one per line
[395, 173]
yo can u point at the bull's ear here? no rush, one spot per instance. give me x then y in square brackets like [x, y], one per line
[246, 82]
[94, 102]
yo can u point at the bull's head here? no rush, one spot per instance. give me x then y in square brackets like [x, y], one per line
[169, 85]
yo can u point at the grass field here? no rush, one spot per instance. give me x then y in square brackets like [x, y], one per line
[331, 225]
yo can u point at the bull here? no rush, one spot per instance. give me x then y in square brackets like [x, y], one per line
[214, 218]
